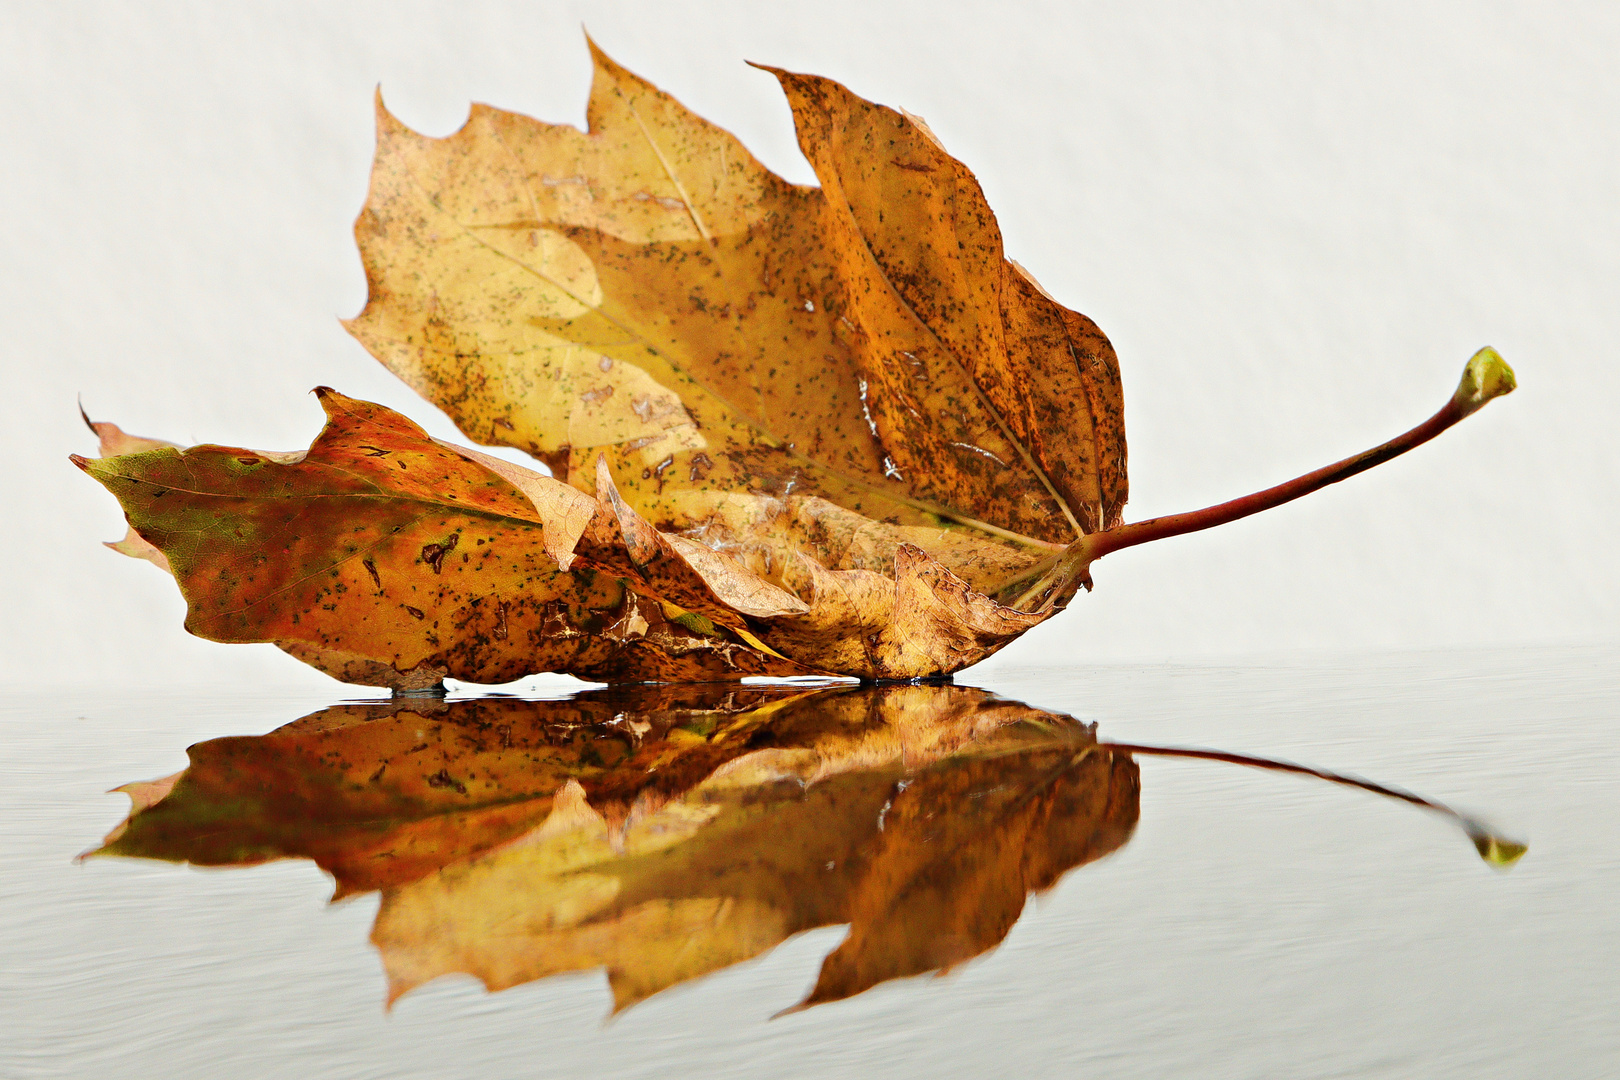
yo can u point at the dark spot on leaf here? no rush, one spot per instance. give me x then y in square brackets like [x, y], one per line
[433, 554]
[416, 613]
[443, 779]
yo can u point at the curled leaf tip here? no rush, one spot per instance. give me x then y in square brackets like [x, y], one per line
[1487, 376]
[80, 460]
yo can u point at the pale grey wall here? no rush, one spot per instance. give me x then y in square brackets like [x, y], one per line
[1295, 221]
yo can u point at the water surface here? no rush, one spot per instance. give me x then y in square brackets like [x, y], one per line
[1249, 924]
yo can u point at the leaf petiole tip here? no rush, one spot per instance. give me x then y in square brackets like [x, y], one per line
[1487, 376]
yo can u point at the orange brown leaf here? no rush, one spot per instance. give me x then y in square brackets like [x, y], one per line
[648, 290]
[379, 554]
[788, 429]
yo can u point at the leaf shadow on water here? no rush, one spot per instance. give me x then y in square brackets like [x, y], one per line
[663, 832]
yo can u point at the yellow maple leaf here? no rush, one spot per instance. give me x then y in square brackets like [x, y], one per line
[789, 429]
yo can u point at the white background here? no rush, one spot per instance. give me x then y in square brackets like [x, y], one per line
[1296, 222]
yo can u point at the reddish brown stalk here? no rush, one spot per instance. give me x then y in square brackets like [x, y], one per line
[1141, 532]
[1487, 376]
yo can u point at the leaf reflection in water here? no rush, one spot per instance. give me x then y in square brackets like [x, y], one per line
[661, 832]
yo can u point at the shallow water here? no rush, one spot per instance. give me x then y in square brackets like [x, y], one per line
[1254, 925]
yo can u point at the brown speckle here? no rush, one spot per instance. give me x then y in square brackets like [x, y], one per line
[433, 554]
[443, 779]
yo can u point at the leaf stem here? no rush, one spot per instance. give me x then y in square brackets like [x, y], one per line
[1142, 532]
[1485, 377]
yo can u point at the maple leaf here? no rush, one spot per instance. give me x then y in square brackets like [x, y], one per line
[380, 555]
[822, 428]
[649, 289]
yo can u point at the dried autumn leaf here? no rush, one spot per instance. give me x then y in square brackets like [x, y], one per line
[650, 289]
[380, 555]
[779, 372]
[827, 429]
[661, 832]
